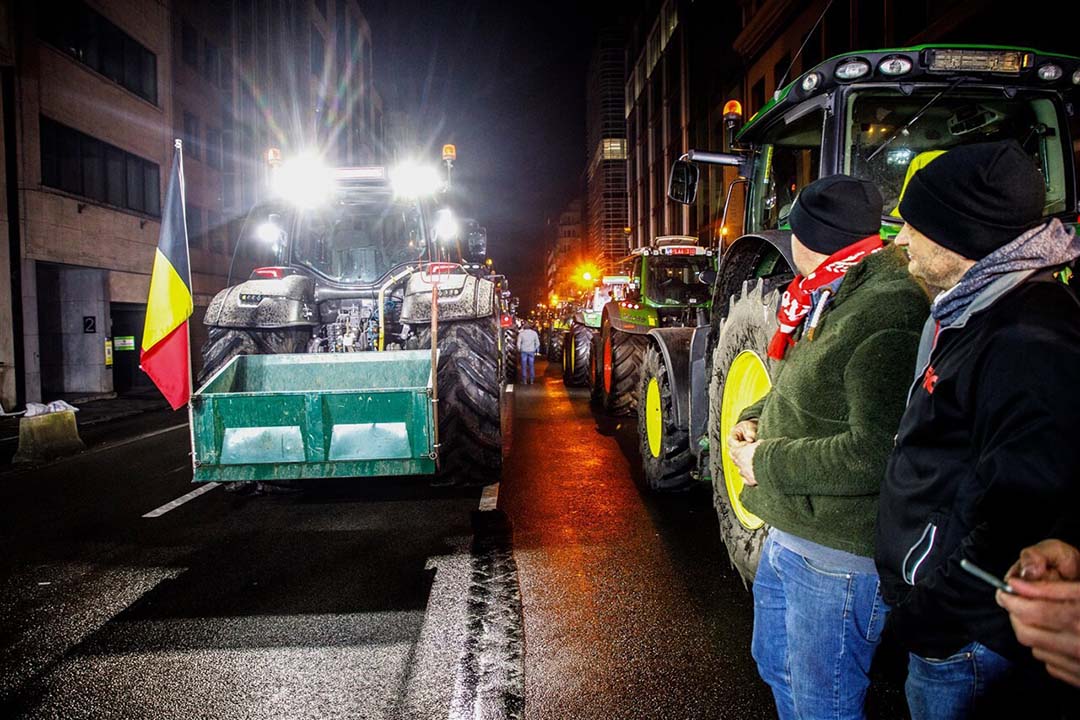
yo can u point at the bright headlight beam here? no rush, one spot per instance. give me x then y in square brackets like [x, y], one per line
[303, 181]
[414, 181]
[446, 225]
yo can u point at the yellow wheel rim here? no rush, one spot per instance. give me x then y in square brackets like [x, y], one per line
[747, 382]
[654, 417]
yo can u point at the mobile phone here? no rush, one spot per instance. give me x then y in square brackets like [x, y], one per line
[986, 577]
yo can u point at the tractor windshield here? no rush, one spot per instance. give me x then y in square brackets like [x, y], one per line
[358, 240]
[967, 115]
[674, 280]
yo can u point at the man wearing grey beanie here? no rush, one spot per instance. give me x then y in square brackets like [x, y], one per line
[986, 460]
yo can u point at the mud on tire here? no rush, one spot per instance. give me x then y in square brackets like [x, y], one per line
[749, 325]
[511, 357]
[470, 430]
[223, 344]
[670, 470]
[620, 398]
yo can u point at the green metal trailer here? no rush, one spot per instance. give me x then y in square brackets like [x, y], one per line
[287, 417]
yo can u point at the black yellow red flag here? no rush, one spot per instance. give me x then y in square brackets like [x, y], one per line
[166, 345]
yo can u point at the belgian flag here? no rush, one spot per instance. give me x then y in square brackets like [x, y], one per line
[166, 345]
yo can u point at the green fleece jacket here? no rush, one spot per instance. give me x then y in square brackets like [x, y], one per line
[826, 427]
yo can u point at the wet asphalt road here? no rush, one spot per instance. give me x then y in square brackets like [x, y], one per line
[371, 599]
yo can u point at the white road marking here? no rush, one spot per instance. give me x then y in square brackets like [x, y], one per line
[490, 498]
[137, 438]
[181, 500]
[510, 387]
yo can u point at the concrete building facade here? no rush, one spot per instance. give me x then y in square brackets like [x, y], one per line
[94, 93]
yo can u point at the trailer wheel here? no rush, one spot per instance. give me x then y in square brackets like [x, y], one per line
[740, 377]
[470, 430]
[665, 447]
[576, 352]
[511, 356]
[224, 344]
[621, 364]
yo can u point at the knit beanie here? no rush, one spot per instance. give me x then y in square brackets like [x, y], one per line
[976, 198]
[831, 213]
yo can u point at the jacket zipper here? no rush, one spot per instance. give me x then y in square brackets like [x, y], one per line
[930, 528]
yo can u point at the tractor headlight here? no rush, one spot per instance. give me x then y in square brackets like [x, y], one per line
[446, 225]
[303, 181]
[1050, 72]
[810, 82]
[852, 69]
[893, 66]
[415, 181]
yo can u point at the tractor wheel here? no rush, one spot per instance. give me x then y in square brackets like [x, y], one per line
[580, 346]
[554, 348]
[621, 363]
[665, 447]
[224, 344]
[740, 377]
[470, 429]
[596, 369]
[511, 356]
[565, 360]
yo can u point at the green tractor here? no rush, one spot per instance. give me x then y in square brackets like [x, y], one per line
[585, 323]
[664, 292]
[878, 115]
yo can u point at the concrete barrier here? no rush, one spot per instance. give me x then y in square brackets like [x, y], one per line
[45, 437]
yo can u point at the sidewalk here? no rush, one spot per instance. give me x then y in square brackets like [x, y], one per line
[95, 416]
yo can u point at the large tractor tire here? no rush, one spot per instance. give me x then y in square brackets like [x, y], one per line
[223, 344]
[621, 363]
[555, 345]
[665, 447]
[596, 370]
[741, 372]
[511, 356]
[470, 424]
[576, 349]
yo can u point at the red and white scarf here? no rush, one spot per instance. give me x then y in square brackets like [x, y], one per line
[798, 298]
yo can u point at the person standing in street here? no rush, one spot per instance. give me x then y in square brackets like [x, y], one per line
[528, 343]
[986, 460]
[812, 452]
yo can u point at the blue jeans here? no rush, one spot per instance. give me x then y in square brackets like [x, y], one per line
[528, 371]
[950, 687]
[815, 632]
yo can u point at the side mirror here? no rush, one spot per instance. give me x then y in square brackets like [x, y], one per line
[682, 185]
[707, 277]
[477, 245]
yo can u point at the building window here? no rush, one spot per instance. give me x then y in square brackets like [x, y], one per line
[191, 135]
[318, 53]
[614, 149]
[215, 232]
[82, 165]
[189, 45]
[780, 71]
[195, 230]
[757, 96]
[212, 63]
[82, 33]
[213, 148]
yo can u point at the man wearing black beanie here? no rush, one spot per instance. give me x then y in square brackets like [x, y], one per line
[986, 461]
[812, 453]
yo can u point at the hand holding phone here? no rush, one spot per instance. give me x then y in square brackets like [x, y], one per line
[986, 577]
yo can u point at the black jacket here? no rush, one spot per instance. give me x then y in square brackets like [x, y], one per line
[986, 462]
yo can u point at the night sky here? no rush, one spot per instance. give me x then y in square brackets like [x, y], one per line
[505, 82]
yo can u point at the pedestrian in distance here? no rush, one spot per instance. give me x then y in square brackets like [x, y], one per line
[528, 343]
[986, 460]
[812, 452]
[1044, 606]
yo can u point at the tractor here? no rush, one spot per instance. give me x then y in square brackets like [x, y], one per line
[664, 292]
[878, 115]
[365, 349]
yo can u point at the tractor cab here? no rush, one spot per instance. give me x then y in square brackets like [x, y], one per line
[667, 274]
